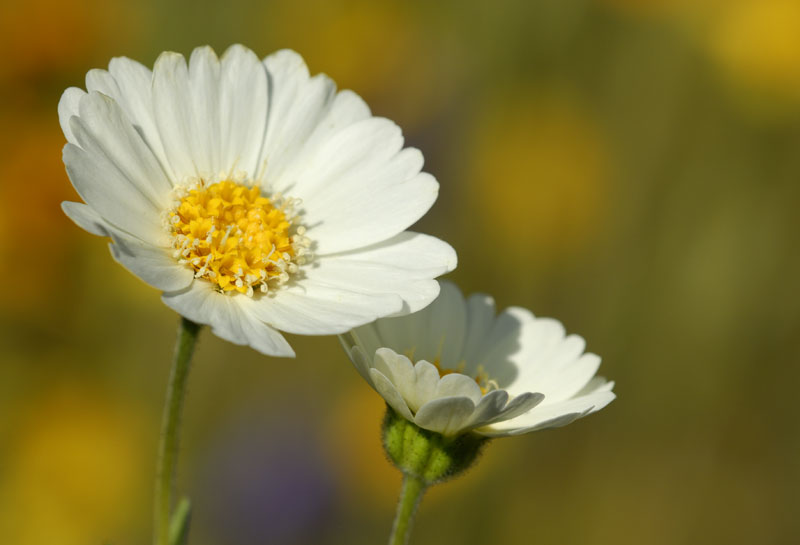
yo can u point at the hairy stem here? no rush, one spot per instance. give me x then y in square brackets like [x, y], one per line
[410, 496]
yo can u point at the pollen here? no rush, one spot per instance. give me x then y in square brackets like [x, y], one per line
[236, 238]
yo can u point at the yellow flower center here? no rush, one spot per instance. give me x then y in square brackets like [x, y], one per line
[236, 238]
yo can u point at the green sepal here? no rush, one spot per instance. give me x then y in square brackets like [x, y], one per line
[427, 455]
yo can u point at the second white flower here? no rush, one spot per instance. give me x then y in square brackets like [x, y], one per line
[455, 367]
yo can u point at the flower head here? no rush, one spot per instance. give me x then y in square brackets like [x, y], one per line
[455, 367]
[256, 197]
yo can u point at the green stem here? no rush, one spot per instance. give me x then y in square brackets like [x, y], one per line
[170, 428]
[410, 496]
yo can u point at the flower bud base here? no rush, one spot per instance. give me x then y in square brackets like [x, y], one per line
[425, 455]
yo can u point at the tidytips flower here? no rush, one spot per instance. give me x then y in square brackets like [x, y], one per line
[455, 375]
[455, 367]
[256, 197]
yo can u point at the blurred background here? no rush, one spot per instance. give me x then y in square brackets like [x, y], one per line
[630, 167]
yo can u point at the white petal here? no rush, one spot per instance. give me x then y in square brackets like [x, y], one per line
[458, 385]
[597, 384]
[68, 107]
[519, 405]
[204, 112]
[151, 264]
[488, 408]
[571, 377]
[348, 156]
[174, 108]
[243, 109]
[86, 218]
[396, 333]
[423, 256]
[491, 410]
[389, 392]
[416, 383]
[551, 362]
[297, 105]
[542, 336]
[224, 313]
[134, 93]
[357, 187]
[358, 200]
[396, 367]
[103, 82]
[366, 338]
[207, 117]
[447, 328]
[310, 308]
[112, 196]
[447, 415]
[551, 416]
[345, 109]
[361, 362]
[405, 265]
[106, 134]
[425, 383]
[480, 315]
[425, 334]
[502, 352]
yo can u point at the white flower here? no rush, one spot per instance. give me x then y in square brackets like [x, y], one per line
[474, 371]
[255, 197]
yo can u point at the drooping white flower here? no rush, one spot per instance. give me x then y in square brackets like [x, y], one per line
[455, 367]
[256, 197]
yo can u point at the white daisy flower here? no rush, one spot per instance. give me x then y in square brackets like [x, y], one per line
[456, 367]
[255, 197]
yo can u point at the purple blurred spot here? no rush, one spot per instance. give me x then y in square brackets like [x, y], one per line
[265, 482]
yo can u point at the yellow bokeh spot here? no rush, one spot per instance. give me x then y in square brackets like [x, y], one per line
[74, 470]
[539, 172]
[757, 43]
[67, 35]
[236, 238]
[388, 37]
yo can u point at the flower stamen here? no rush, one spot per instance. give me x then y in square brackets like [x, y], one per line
[236, 238]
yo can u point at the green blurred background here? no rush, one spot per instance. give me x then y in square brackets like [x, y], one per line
[630, 167]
